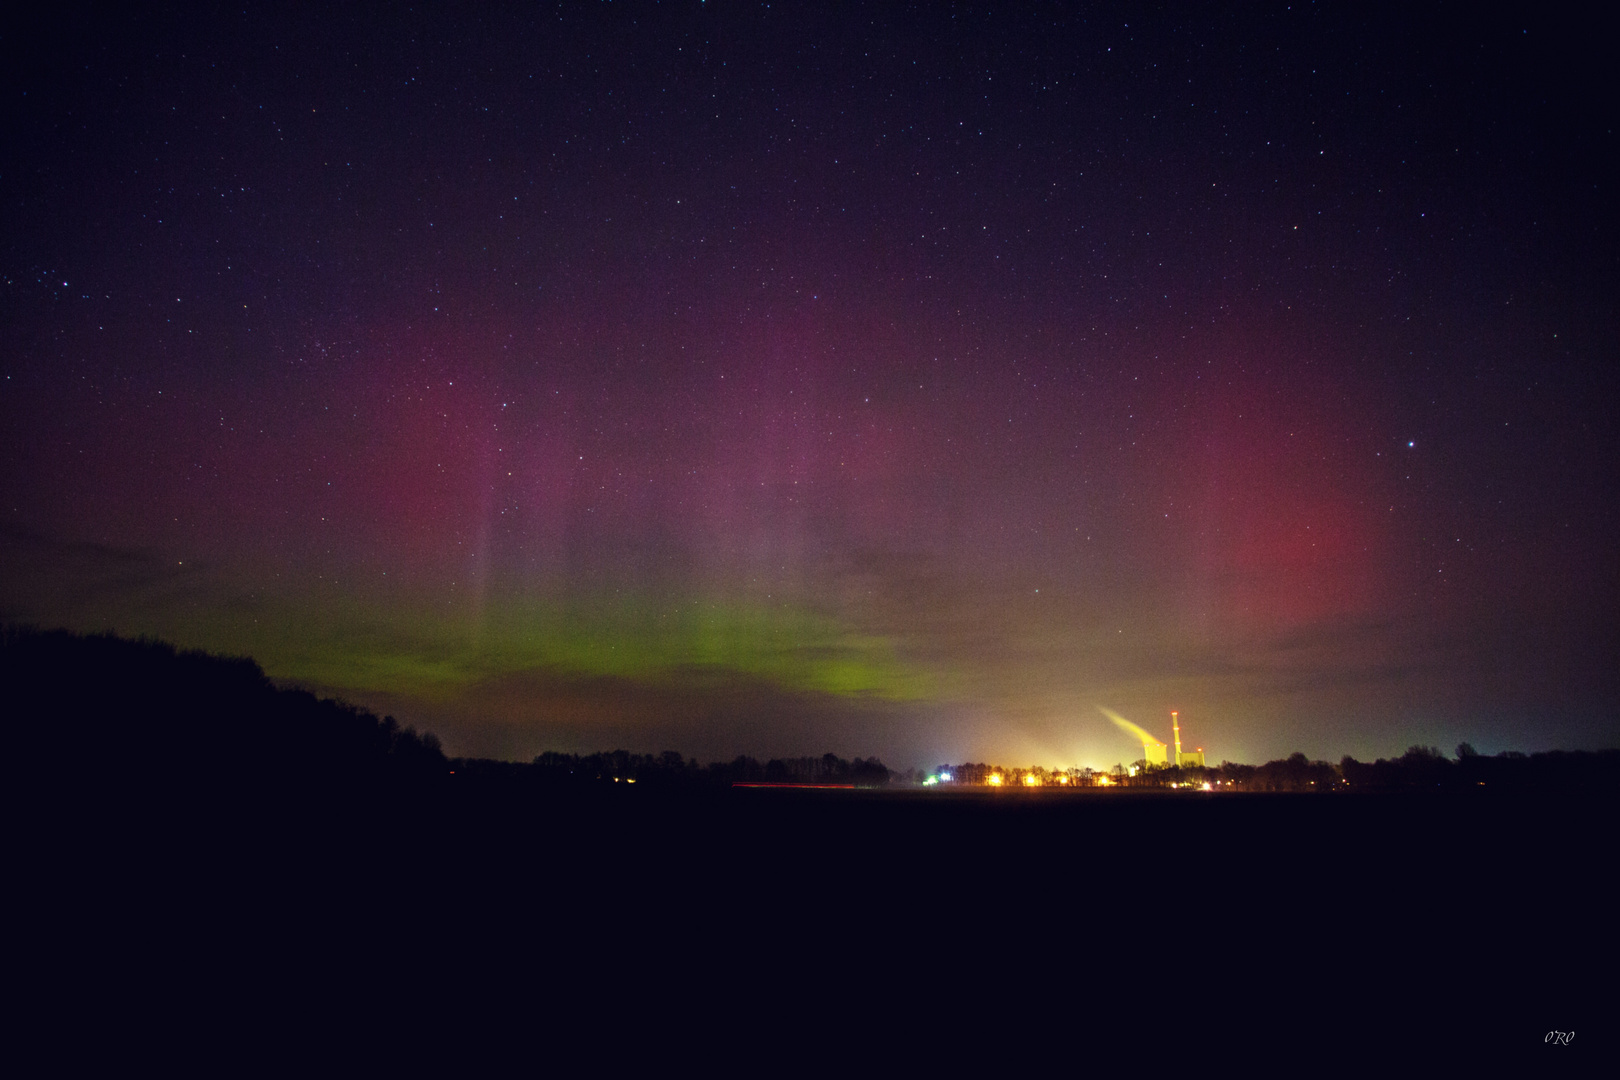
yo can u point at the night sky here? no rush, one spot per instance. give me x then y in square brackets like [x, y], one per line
[776, 379]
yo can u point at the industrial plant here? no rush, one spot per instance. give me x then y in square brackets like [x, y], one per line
[1155, 753]
[1157, 756]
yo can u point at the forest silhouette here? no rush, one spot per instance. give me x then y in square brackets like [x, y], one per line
[141, 716]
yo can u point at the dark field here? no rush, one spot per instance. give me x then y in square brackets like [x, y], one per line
[198, 860]
[1218, 917]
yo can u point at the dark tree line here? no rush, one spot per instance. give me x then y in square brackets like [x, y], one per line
[141, 717]
[1425, 767]
[670, 769]
[1421, 768]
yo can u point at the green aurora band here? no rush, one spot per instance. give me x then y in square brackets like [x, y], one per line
[421, 652]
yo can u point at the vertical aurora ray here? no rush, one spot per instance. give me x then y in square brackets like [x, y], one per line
[907, 397]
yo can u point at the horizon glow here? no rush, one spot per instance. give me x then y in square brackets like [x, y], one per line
[764, 384]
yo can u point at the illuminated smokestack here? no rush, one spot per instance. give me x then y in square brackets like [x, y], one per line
[1175, 725]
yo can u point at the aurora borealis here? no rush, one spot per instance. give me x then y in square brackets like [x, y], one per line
[897, 381]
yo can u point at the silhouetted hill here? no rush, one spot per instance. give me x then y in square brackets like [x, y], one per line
[101, 713]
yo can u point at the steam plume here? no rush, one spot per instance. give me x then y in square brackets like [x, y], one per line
[1125, 725]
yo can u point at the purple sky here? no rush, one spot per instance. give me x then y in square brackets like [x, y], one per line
[736, 380]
